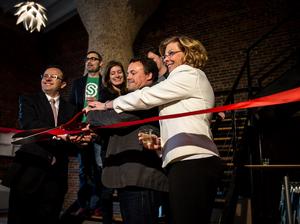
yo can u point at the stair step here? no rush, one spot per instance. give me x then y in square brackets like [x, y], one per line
[228, 158]
[228, 172]
[230, 128]
[220, 200]
[225, 147]
[224, 150]
[226, 138]
[228, 164]
[223, 137]
[229, 119]
[116, 218]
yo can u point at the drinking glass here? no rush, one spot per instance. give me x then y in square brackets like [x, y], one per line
[146, 136]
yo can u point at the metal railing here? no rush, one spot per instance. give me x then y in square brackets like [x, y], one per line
[246, 70]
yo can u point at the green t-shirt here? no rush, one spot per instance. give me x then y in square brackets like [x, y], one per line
[91, 91]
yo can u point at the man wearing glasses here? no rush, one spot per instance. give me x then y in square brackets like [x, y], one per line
[39, 174]
[87, 89]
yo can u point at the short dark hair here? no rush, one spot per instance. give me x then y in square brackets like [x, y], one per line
[149, 66]
[153, 50]
[57, 66]
[97, 53]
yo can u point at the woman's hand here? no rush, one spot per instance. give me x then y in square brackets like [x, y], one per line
[94, 105]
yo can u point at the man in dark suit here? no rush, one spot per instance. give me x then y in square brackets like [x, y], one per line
[38, 179]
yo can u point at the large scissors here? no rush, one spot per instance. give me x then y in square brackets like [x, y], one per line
[44, 134]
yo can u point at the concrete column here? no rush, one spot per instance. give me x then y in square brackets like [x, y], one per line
[112, 25]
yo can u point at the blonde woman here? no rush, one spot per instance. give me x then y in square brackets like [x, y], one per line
[189, 155]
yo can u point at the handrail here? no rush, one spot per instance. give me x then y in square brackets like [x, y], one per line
[273, 166]
[246, 67]
[230, 99]
[246, 64]
[264, 36]
[235, 85]
[260, 79]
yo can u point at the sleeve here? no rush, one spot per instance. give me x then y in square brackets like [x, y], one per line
[28, 114]
[97, 117]
[178, 86]
[72, 97]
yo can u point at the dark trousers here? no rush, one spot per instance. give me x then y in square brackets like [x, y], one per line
[90, 179]
[192, 189]
[139, 205]
[107, 205]
[42, 206]
[91, 186]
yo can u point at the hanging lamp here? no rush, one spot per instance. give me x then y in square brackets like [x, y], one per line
[32, 15]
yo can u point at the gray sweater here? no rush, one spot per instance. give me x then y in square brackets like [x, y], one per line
[127, 163]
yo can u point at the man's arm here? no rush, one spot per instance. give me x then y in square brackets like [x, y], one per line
[107, 117]
[29, 118]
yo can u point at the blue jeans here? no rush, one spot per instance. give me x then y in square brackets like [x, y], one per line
[139, 205]
[90, 178]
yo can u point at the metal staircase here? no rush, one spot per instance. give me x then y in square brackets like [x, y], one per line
[280, 73]
[227, 136]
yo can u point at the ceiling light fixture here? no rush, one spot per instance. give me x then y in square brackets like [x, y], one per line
[32, 14]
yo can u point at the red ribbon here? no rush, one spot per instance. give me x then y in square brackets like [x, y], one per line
[283, 97]
[288, 96]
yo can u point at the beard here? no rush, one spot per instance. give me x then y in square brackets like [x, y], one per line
[91, 70]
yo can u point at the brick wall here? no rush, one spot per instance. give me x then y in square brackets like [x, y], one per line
[73, 182]
[226, 28]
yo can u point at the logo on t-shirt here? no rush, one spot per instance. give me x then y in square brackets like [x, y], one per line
[91, 90]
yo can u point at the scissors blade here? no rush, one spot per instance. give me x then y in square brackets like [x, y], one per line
[36, 137]
[30, 139]
[26, 133]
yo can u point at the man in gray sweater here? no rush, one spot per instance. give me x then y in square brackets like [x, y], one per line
[134, 171]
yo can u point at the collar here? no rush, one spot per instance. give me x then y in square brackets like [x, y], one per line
[55, 98]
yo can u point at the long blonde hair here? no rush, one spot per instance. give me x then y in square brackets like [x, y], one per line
[195, 53]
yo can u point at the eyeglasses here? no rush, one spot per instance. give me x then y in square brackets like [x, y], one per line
[170, 54]
[54, 77]
[91, 59]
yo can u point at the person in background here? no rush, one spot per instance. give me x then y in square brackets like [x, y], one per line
[153, 54]
[88, 88]
[39, 174]
[114, 81]
[136, 173]
[115, 85]
[188, 151]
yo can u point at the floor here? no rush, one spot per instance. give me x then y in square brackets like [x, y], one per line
[3, 219]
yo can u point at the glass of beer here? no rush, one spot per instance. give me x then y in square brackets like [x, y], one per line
[146, 136]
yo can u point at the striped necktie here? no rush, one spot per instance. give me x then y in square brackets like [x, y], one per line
[54, 110]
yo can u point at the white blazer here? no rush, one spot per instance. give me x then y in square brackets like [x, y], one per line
[186, 89]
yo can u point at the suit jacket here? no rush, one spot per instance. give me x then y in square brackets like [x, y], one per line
[78, 92]
[33, 161]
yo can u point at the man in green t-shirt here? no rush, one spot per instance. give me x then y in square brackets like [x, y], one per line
[86, 89]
